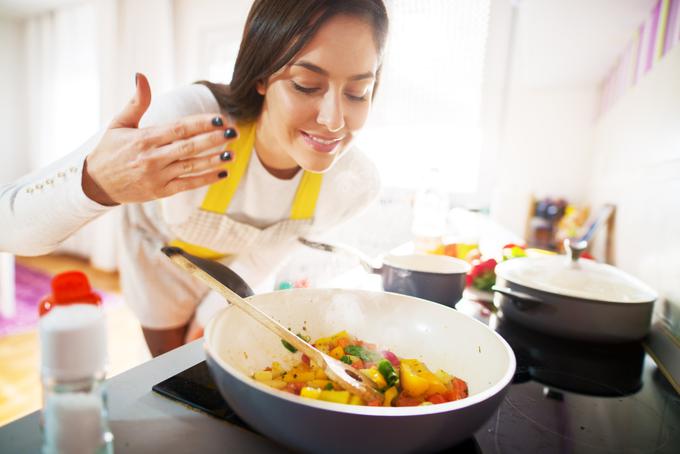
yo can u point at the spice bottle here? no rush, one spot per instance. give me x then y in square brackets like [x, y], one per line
[73, 364]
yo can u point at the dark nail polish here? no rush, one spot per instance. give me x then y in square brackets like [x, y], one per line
[226, 156]
[222, 174]
[229, 133]
[217, 121]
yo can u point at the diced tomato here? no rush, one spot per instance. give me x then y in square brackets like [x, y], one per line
[374, 403]
[294, 387]
[458, 390]
[437, 399]
[404, 400]
[512, 245]
[461, 386]
[305, 359]
[343, 342]
[358, 364]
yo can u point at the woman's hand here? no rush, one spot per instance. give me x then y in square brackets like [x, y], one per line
[133, 165]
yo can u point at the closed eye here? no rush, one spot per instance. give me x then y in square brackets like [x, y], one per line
[357, 98]
[304, 89]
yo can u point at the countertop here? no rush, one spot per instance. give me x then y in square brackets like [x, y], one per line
[143, 421]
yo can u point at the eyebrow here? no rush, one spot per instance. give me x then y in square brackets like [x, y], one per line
[312, 67]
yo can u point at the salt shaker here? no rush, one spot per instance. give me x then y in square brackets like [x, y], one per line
[73, 363]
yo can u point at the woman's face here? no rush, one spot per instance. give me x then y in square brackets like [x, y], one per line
[314, 105]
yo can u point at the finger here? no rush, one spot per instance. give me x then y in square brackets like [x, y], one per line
[185, 167]
[129, 117]
[195, 181]
[189, 148]
[189, 127]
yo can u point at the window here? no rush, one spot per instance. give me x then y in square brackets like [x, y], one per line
[427, 109]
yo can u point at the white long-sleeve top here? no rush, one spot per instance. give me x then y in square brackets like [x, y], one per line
[43, 208]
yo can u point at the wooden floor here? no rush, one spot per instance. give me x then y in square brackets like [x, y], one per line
[20, 391]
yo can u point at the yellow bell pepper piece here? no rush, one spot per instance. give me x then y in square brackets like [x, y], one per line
[375, 376]
[340, 397]
[318, 383]
[417, 368]
[319, 374]
[278, 384]
[356, 400]
[390, 394]
[310, 393]
[331, 339]
[412, 383]
[263, 375]
[298, 374]
[337, 352]
[277, 370]
[443, 376]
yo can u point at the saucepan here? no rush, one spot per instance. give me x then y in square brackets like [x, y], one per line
[437, 278]
[236, 346]
[573, 297]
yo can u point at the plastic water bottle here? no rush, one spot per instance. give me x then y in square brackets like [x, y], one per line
[73, 366]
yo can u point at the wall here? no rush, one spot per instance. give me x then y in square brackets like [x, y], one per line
[636, 165]
[207, 36]
[12, 112]
[545, 150]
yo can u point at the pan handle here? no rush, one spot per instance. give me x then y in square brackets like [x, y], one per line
[222, 273]
[522, 301]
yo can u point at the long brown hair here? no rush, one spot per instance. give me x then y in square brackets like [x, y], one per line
[275, 31]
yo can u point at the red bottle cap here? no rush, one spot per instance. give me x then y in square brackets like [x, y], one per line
[68, 288]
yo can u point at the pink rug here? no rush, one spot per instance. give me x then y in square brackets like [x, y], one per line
[31, 285]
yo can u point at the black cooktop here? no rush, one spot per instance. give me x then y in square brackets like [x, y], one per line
[566, 397]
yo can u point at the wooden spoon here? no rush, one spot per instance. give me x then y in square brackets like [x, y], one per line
[346, 376]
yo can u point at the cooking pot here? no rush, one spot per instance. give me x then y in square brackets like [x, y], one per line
[236, 346]
[575, 298]
[437, 278]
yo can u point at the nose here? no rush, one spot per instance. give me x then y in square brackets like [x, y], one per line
[330, 112]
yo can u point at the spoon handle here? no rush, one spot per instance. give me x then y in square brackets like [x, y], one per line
[198, 269]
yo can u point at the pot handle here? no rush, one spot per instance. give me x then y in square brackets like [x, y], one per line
[522, 301]
[365, 261]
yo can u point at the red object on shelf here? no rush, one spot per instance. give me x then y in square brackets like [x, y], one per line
[69, 287]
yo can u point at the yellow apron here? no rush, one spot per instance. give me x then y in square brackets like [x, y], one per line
[220, 194]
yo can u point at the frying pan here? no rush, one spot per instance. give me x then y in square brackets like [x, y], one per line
[236, 346]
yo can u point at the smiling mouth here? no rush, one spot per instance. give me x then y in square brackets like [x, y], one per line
[322, 144]
[321, 140]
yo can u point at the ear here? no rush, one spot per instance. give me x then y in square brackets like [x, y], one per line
[261, 87]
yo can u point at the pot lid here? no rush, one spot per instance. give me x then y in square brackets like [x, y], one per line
[582, 279]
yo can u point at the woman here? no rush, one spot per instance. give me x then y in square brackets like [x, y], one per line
[302, 88]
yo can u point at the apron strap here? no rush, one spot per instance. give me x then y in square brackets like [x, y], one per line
[220, 194]
[304, 204]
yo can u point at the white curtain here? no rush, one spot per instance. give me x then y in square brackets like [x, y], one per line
[80, 66]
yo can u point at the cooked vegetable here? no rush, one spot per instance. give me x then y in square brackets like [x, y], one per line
[292, 349]
[387, 371]
[404, 382]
